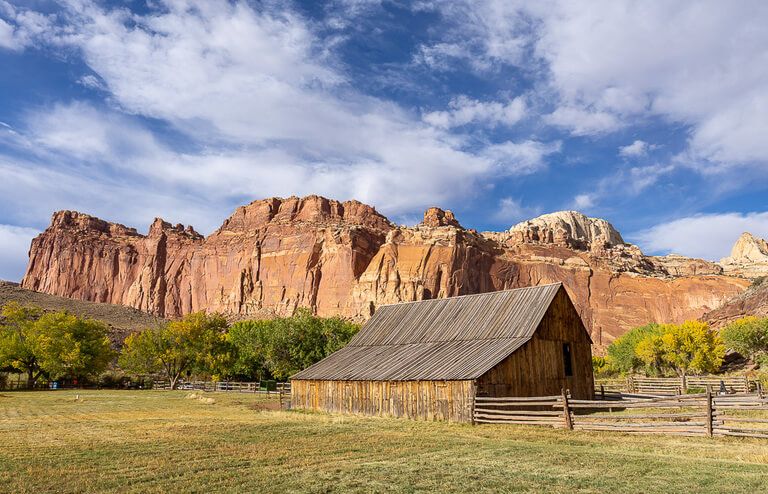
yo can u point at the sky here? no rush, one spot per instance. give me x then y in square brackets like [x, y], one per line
[652, 115]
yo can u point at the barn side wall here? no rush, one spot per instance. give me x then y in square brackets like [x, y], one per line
[537, 368]
[422, 400]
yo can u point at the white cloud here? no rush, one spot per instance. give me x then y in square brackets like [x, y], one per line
[607, 64]
[512, 211]
[583, 201]
[268, 107]
[520, 158]
[19, 28]
[582, 121]
[464, 110]
[14, 244]
[706, 236]
[637, 148]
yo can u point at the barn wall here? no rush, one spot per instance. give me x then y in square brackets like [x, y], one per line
[537, 368]
[423, 400]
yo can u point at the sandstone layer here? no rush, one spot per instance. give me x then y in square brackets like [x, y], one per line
[344, 258]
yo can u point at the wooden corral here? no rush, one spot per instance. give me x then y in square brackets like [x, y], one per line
[430, 359]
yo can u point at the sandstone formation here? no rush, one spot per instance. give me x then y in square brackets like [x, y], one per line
[749, 257]
[274, 255]
[753, 302]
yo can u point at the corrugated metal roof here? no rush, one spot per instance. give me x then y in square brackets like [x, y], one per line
[444, 339]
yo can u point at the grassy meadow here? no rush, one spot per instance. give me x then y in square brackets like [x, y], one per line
[155, 441]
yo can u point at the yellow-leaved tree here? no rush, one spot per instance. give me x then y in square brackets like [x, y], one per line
[691, 347]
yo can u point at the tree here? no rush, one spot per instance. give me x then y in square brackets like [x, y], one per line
[749, 337]
[621, 353]
[650, 351]
[17, 334]
[194, 343]
[283, 346]
[56, 344]
[249, 341]
[684, 348]
[69, 346]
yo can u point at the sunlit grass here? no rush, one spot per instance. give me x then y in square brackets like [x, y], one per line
[153, 441]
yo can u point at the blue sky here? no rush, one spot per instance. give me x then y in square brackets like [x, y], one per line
[653, 115]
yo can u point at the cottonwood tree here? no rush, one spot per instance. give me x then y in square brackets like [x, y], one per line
[283, 346]
[621, 353]
[17, 336]
[69, 346]
[691, 347]
[56, 344]
[749, 337]
[194, 343]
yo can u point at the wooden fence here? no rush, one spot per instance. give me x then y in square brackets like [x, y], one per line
[703, 414]
[675, 385]
[216, 386]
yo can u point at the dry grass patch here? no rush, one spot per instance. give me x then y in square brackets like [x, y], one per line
[154, 441]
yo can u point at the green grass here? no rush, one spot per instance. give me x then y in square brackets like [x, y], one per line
[155, 441]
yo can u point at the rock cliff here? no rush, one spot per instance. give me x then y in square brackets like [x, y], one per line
[344, 258]
[753, 302]
[749, 257]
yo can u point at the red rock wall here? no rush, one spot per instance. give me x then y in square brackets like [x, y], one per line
[274, 255]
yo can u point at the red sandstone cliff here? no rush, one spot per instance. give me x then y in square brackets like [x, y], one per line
[274, 255]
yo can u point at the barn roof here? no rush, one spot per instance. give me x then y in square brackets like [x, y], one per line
[453, 338]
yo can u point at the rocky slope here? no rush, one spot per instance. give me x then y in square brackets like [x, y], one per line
[345, 258]
[752, 302]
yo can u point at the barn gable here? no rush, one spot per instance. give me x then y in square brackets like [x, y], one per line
[458, 338]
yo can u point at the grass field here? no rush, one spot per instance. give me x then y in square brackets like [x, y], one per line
[155, 441]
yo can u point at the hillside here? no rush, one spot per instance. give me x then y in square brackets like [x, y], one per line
[344, 258]
[121, 320]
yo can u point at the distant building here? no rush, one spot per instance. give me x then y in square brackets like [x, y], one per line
[429, 359]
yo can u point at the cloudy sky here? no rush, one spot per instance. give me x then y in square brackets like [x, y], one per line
[653, 114]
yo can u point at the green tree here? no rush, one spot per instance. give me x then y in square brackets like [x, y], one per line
[683, 348]
[196, 343]
[17, 335]
[69, 346]
[249, 341]
[621, 353]
[56, 344]
[749, 337]
[283, 346]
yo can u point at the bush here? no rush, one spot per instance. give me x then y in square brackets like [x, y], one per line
[749, 337]
[112, 379]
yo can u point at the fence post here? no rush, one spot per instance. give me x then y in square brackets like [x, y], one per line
[760, 389]
[683, 384]
[566, 409]
[710, 415]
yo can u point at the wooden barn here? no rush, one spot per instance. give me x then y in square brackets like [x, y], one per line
[429, 359]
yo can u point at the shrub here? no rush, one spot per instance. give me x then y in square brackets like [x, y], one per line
[749, 337]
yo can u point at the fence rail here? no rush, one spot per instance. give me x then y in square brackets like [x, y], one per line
[702, 414]
[270, 387]
[675, 385]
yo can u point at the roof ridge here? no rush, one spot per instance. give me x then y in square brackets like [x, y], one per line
[507, 290]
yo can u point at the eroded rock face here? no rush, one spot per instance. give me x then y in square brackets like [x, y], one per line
[274, 255]
[749, 257]
[753, 302]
